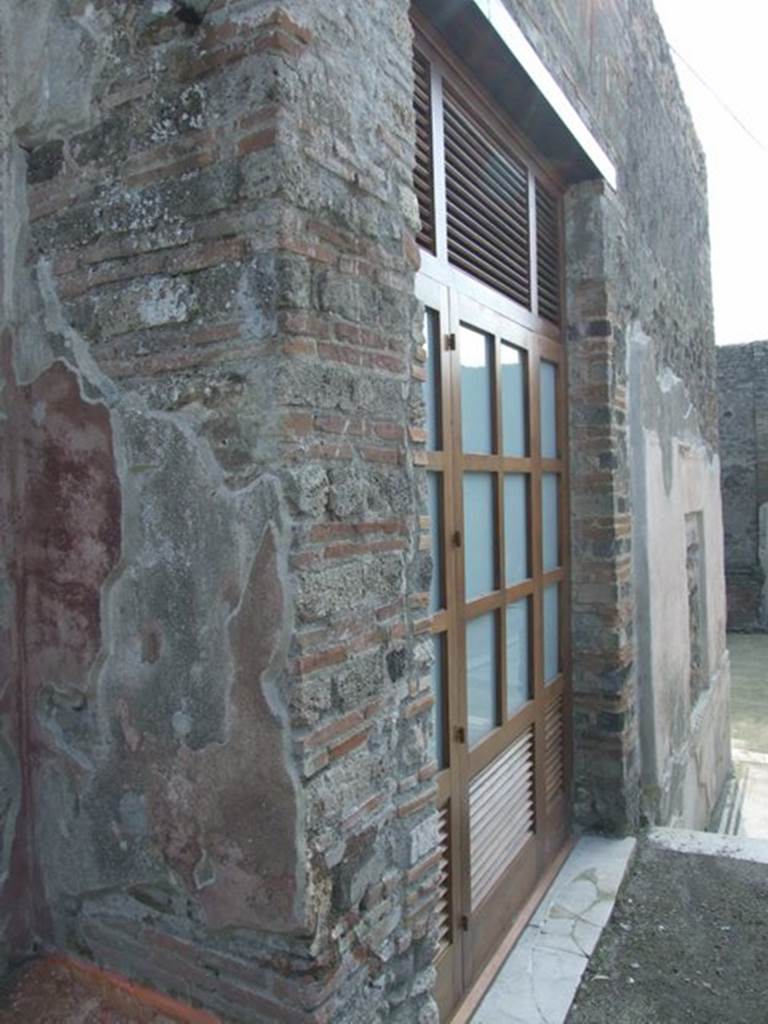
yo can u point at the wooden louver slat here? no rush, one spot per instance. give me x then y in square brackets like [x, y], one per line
[501, 815]
[554, 747]
[547, 254]
[423, 180]
[487, 203]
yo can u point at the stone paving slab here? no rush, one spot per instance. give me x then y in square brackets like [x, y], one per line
[713, 844]
[542, 973]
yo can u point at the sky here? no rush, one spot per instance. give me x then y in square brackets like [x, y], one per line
[725, 44]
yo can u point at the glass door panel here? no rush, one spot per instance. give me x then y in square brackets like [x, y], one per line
[550, 521]
[516, 532]
[482, 677]
[476, 354]
[518, 655]
[551, 603]
[548, 400]
[514, 400]
[480, 534]
[436, 529]
[440, 707]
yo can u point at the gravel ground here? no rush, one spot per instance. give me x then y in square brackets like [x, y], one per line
[687, 944]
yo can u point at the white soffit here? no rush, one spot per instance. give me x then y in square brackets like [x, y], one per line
[505, 27]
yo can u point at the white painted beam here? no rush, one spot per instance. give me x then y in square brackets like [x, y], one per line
[513, 38]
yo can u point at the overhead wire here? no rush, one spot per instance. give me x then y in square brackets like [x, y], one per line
[731, 113]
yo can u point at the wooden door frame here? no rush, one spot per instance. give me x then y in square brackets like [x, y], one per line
[438, 285]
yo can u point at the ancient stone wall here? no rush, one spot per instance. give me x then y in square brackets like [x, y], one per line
[215, 770]
[215, 719]
[742, 383]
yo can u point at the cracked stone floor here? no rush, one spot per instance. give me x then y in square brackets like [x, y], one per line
[542, 973]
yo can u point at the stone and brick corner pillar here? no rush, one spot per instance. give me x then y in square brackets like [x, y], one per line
[349, 405]
[606, 750]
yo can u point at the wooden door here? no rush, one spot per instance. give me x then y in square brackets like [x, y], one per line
[496, 495]
[498, 514]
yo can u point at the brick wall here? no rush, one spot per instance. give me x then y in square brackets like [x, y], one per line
[606, 750]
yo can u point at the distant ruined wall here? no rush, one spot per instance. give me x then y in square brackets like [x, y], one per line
[742, 384]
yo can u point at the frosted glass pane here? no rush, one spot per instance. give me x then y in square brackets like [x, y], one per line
[438, 708]
[551, 632]
[475, 352]
[550, 531]
[482, 704]
[513, 392]
[515, 528]
[518, 657]
[431, 386]
[479, 531]
[434, 507]
[548, 395]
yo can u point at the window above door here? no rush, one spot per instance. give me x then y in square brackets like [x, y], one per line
[487, 209]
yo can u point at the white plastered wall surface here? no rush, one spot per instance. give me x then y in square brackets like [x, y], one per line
[676, 474]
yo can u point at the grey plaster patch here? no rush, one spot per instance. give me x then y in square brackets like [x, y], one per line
[540, 977]
[54, 62]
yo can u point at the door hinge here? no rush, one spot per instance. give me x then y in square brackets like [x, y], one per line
[450, 342]
[459, 734]
[457, 539]
[464, 923]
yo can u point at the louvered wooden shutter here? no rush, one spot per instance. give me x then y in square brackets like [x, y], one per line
[487, 203]
[423, 169]
[443, 908]
[547, 254]
[500, 814]
[554, 746]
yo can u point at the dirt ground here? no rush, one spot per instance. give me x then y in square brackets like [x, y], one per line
[687, 944]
